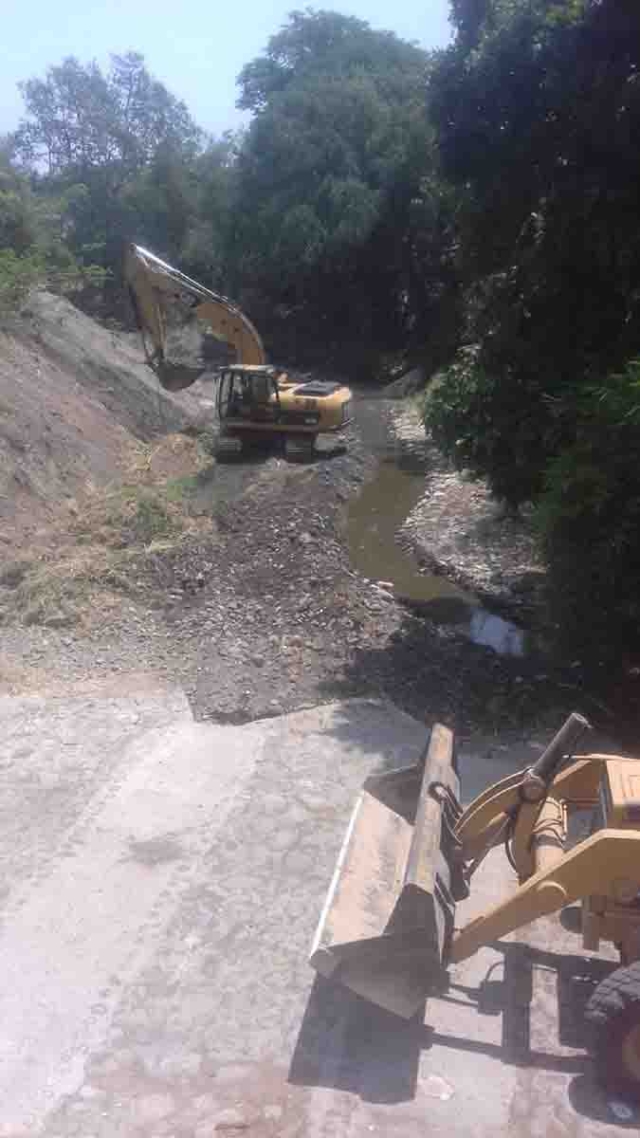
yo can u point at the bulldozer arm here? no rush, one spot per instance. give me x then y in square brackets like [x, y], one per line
[388, 918]
[387, 928]
[591, 868]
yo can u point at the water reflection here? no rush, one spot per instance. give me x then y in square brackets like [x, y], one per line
[373, 519]
[494, 632]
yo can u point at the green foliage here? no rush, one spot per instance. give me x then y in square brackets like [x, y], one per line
[479, 423]
[327, 218]
[589, 518]
[33, 250]
[151, 520]
[330, 45]
[18, 274]
[331, 178]
[79, 119]
[106, 150]
[536, 107]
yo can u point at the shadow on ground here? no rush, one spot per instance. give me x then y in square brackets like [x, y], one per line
[435, 673]
[350, 1045]
[347, 1044]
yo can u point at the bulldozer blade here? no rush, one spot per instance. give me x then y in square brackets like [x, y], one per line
[388, 917]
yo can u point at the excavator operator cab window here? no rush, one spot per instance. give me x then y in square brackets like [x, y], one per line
[262, 389]
[247, 396]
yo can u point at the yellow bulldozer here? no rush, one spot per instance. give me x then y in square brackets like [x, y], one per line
[388, 930]
[253, 399]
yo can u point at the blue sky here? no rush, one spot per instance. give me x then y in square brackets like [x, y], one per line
[196, 47]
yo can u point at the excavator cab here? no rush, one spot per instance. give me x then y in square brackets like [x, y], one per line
[247, 394]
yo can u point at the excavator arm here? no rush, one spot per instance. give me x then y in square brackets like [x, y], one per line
[153, 284]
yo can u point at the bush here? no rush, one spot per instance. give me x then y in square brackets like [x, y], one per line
[18, 274]
[589, 520]
[150, 520]
[489, 427]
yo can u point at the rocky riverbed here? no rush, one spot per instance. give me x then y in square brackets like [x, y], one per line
[456, 529]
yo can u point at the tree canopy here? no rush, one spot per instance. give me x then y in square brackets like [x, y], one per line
[79, 119]
[329, 172]
[116, 150]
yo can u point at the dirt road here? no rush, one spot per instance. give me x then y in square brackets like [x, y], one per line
[162, 882]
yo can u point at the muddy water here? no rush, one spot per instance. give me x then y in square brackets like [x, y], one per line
[373, 520]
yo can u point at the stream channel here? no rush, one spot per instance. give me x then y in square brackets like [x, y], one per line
[374, 518]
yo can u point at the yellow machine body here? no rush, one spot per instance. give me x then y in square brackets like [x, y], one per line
[388, 928]
[252, 397]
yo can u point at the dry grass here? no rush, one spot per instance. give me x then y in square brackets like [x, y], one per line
[14, 678]
[79, 572]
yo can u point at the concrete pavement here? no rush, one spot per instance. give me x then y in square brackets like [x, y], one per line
[161, 884]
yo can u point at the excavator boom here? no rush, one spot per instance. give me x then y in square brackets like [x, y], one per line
[153, 284]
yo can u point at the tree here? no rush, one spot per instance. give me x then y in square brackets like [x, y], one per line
[79, 119]
[330, 181]
[103, 142]
[33, 250]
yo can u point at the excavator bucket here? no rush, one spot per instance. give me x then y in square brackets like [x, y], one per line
[388, 918]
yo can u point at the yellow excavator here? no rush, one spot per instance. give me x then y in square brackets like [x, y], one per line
[388, 929]
[253, 400]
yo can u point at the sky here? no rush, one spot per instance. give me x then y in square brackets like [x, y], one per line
[196, 47]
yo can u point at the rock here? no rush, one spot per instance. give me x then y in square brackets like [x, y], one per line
[231, 1120]
[186, 1065]
[204, 1104]
[89, 1092]
[384, 594]
[153, 1108]
[436, 1087]
[58, 620]
[305, 539]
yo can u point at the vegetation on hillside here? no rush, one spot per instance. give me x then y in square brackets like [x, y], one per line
[475, 210]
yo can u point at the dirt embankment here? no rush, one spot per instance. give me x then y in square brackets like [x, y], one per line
[93, 462]
[75, 399]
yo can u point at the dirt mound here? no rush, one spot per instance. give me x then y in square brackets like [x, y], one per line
[75, 400]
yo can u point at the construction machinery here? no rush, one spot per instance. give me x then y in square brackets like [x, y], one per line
[388, 930]
[253, 399]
